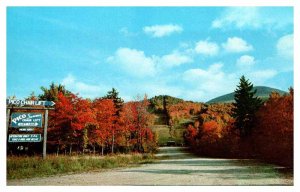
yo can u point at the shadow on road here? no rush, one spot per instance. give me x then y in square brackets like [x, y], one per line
[178, 161]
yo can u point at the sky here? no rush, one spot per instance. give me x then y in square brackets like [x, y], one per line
[194, 53]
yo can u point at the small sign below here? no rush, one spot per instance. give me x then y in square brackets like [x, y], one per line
[24, 138]
[26, 119]
[26, 129]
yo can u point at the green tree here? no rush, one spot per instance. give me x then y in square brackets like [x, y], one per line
[52, 93]
[118, 101]
[32, 96]
[245, 106]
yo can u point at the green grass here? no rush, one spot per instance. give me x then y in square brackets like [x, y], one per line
[164, 134]
[29, 167]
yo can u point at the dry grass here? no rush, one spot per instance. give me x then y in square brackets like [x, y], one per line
[28, 167]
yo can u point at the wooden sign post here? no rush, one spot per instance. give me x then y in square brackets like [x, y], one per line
[11, 104]
[45, 135]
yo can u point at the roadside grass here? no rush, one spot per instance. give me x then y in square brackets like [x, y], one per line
[29, 167]
[164, 134]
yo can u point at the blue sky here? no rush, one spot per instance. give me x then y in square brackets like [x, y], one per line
[195, 53]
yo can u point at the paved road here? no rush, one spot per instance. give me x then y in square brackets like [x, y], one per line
[180, 168]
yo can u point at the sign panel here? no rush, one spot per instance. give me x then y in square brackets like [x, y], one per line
[26, 129]
[26, 119]
[19, 102]
[24, 138]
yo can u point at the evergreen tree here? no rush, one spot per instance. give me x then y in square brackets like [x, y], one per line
[114, 95]
[118, 103]
[32, 96]
[52, 93]
[245, 106]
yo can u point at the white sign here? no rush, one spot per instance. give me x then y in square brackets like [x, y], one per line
[19, 102]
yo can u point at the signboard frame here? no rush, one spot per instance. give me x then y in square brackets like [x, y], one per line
[46, 109]
[25, 119]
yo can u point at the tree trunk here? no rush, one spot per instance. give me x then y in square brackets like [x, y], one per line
[71, 149]
[102, 149]
[127, 145]
[94, 149]
[57, 150]
[113, 142]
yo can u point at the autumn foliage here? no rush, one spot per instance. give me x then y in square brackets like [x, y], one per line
[273, 133]
[183, 110]
[214, 133]
[81, 125]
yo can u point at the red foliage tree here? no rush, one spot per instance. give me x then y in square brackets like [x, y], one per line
[67, 121]
[273, 134]
[190, 136]
[136, 119]
[106, 128]
[59, 130]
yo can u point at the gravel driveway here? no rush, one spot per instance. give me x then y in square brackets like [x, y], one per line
[180, 168]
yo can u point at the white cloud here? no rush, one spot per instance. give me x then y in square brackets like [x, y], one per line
[263, 74]
[175, 59]
[162, 30]
[84, 89]
[207, 48]
[239, 17]
[206, 84]
[285, 46]
[124, 31]
[160, 88]
[245, 61]
[213, 72]
[259, 77]
[69, 80]
[157, 86]
[134, 62]
[236, 45]
[210, 83]
[254, 18]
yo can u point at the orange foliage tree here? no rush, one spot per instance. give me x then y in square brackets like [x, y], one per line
[68, 120]
[105, 130]
[213, 133]
[136, 119]
[273, 135]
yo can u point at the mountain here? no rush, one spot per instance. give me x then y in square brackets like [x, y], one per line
[262, 92]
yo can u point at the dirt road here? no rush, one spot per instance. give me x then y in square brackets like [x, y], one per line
[180, 168]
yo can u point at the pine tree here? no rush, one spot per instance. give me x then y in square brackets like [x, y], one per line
[114, 95]
[118, 103]
[245, 106]
[51, 94]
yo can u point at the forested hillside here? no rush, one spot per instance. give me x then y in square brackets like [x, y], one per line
[262, 92]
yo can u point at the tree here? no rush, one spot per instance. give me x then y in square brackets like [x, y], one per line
[59, 130]
[68, 121]
[32, 96]
[118, 103]
[83, 117]
[273, 138]
[114, 95]
[245, 106]
[105, 111]
[136, 118]
[51, 94]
